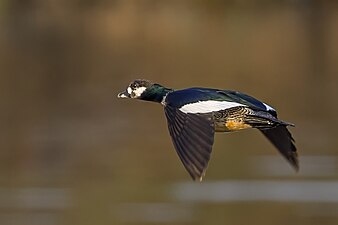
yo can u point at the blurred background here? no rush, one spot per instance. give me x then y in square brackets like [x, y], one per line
[72, 153]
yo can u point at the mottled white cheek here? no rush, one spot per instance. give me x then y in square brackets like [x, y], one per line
[208, 106]
[138, 91]
[129, 90]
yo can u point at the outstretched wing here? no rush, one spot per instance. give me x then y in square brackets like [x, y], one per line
[193, 137]
[281, 138]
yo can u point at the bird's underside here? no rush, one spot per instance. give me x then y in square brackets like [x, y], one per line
[238, 118]
[234, 119]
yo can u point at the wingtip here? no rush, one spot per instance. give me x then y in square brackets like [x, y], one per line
[198, 177]
[296, 167]
[293, 159]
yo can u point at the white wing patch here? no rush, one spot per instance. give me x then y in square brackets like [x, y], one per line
[269, 108]
[208, 106]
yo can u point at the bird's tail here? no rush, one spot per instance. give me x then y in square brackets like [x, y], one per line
[264, 120]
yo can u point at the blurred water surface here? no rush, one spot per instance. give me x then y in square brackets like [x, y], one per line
[72, 153]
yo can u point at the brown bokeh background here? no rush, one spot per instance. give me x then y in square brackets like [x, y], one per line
[72, 153]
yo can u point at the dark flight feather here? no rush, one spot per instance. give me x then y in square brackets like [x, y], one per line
[281, 138]
[193, 137]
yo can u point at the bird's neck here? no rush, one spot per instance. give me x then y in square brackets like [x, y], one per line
[156, 93]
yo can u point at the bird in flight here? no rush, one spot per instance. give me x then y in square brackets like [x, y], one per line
[195, 114]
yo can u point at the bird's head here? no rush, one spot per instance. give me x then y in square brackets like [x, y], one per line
[136, 89]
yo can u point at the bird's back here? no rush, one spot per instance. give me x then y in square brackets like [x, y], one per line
[183, 97]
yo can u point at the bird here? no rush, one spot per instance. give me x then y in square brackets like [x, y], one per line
[195, 114]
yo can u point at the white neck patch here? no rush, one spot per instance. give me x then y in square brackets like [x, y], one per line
[138, 91]
[208, 106]
[163, 99]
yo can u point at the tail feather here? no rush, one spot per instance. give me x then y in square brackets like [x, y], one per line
[263, 120]
[259, 122]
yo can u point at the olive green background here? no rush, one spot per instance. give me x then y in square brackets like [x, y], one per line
[72, 153]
